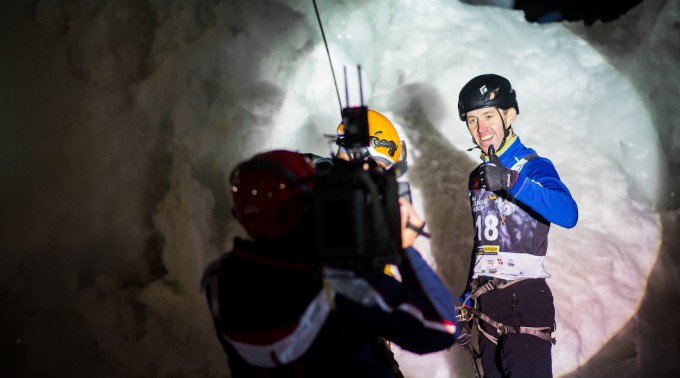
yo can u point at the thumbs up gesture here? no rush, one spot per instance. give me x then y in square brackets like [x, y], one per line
[493, 176]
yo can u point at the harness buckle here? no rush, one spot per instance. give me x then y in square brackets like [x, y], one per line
[503, 329]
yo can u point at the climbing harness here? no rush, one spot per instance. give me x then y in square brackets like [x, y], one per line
[471, 313]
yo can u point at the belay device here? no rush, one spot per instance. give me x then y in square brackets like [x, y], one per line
[357, 216]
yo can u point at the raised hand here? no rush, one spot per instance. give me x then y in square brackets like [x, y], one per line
[494, 176]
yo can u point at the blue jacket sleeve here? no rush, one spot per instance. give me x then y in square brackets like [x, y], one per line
[539, 186]
[422, 316]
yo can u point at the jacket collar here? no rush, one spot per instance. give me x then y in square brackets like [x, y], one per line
[512, 151]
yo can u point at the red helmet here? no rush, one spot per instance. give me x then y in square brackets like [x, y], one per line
[270, 192]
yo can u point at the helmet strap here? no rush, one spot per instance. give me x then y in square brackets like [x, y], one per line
[506, 131]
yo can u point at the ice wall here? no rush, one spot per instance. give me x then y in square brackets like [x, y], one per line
[121, 120]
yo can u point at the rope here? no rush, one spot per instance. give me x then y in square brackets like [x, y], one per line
[328, 53]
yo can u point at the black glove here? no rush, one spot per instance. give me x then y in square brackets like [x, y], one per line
[494, 177]
[465, 337]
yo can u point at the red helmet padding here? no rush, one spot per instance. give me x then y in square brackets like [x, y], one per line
[270, 192]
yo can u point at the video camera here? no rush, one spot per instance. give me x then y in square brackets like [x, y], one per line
[357, 216]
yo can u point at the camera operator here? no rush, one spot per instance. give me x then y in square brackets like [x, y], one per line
[277, 313]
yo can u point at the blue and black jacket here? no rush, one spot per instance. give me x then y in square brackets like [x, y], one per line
[511, 227]
[278, 319]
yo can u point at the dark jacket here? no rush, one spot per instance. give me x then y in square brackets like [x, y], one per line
[276, 318]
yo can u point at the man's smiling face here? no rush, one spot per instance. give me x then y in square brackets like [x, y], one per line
[486, 125]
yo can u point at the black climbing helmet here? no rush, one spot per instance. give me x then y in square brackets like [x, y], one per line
[486, 91]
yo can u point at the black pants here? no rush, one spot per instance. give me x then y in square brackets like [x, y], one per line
[527, 303]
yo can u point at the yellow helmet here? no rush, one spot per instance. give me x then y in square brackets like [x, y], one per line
[385, 144]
